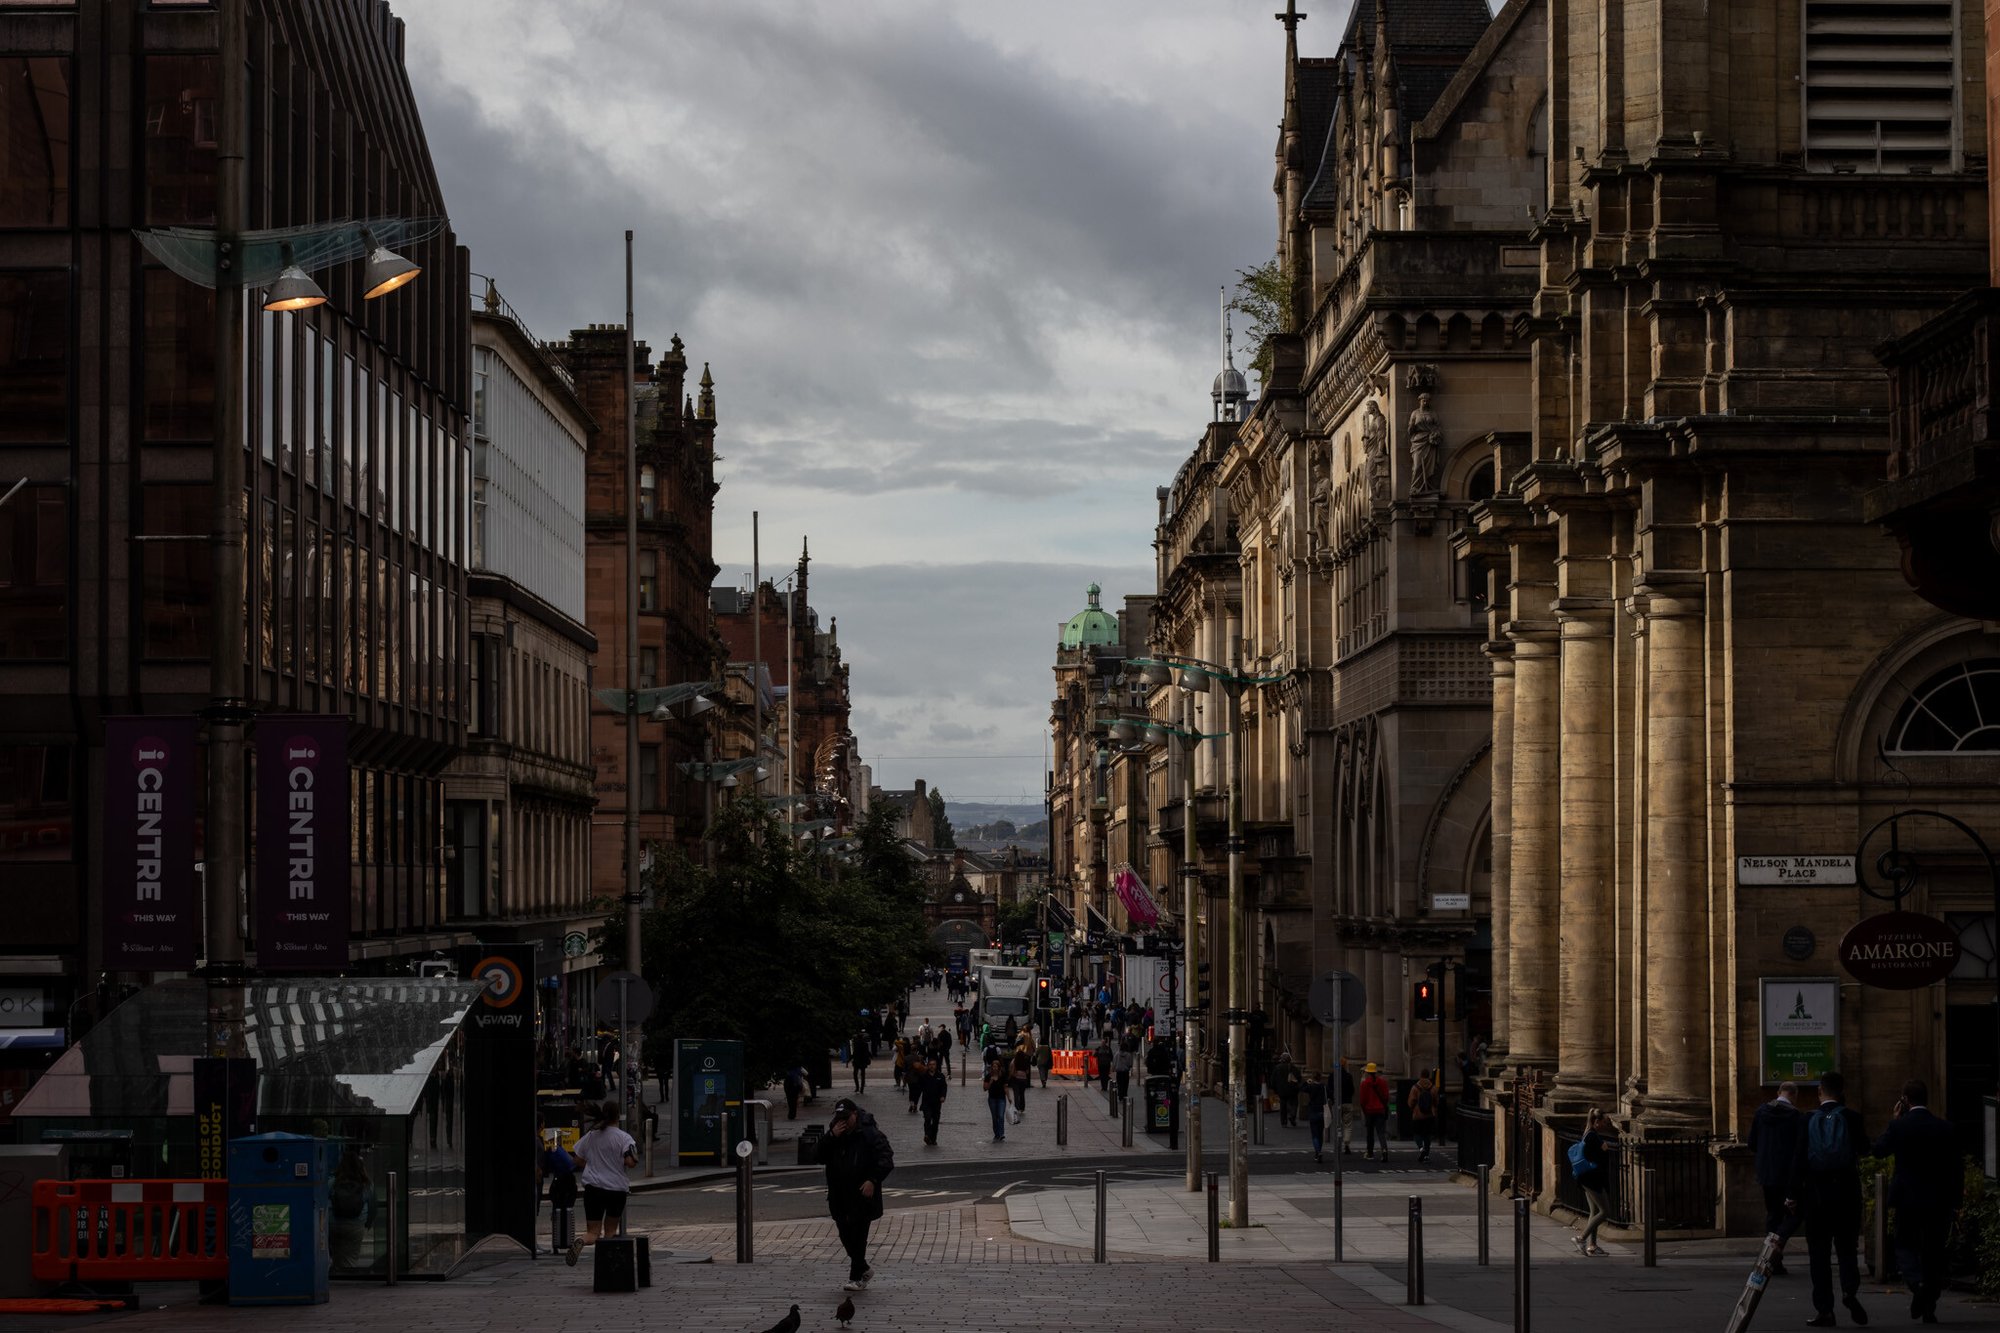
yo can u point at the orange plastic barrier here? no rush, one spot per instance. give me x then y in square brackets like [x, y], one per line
[130, 1230]
[1069, 1064]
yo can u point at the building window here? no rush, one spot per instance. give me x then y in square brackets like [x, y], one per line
[175, 572]
[1956, 711]
[37, 821]
[649, 581]
[649, 490]
[1881, 85]
[649, 777]
[34, 575]
[180, 126]
[178, 359]
[34, 357]
[649, 668]
[34, 141]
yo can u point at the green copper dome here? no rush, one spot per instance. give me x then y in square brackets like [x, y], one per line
[1091, 627]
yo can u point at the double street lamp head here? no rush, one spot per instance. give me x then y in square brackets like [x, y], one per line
[386, 270]
[293, 289]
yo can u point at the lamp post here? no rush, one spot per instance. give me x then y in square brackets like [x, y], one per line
[1193, 674]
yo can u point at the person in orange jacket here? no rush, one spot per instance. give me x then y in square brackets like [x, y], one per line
[1373, 1099]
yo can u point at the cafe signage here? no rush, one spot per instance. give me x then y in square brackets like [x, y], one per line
[1899, 951]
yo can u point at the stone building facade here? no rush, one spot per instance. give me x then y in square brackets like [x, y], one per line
[676, 502]
[1703, 650]
[518, 798]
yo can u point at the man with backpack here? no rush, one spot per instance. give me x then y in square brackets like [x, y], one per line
[1826, 1190]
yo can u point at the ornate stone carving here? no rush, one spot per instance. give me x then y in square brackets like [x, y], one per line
[1317, 487]
[1375, 453]
[1426, 442]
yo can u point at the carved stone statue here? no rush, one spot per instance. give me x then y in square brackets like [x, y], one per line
[1318, 487]
[1426, 439]
[1375, 453]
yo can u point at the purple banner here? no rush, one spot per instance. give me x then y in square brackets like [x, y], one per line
[302, 863]
[1138, 899]
[152, 917]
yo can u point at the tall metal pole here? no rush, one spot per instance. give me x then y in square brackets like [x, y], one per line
[791, 689]
[228, 707]
[633, 795]
[757, 654]
[1239, 978]
[1190, 950]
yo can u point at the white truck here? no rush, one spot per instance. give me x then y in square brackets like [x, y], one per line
[1153, 981]
[1004, 993]
[978, 960]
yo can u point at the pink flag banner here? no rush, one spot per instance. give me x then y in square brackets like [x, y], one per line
[1138, 899]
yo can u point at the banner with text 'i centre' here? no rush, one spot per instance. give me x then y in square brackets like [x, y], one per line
[152, 917]
[302, 853]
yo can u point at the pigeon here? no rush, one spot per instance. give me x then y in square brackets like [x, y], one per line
[846, 1311]
[789, 1324]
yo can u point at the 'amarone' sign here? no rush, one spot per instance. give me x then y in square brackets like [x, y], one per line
[1899, 950]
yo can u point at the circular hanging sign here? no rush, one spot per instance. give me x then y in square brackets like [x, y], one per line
[1899, 951]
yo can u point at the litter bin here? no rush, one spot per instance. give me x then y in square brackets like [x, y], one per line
[1163, 1104]
[278, 1252]
[809, 1138]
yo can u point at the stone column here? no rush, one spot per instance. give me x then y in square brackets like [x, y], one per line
[1532, 913]
[1676, 904]
[1502, 842]
[1587, 809]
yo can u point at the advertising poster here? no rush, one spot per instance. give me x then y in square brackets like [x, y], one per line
[1801, 1028]
[152, 914]
[302, 855]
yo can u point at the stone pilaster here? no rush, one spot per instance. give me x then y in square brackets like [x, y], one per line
[1676, 913]
[1533, 901]
[1587, 811]
[1502, 846]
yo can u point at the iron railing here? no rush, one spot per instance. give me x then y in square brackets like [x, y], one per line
[1473, 1129]
[1684, 1181]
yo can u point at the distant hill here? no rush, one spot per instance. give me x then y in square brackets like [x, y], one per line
[968, 814]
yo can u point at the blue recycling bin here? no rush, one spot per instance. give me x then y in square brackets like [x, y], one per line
[278, 1190]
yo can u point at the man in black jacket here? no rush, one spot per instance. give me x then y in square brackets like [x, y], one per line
[1774, 1139]
[858, 1159]
[1827, 1188]
[1926, 1191]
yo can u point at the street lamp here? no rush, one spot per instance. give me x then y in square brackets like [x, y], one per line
[1193, 673]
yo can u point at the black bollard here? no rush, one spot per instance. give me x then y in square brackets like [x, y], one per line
[1413, 1262]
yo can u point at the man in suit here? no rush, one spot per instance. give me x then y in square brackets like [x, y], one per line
[1774, 1139]
[1827, 1188]
[1926, 1191]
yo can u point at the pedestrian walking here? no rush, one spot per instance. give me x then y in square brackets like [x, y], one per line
[558, 1168]
[858, 1159]
[1103, 1054]
[1774, 1146]
[931, 1092]
[995, 1085]
[1316, 1098]
[1827, 1190]
[860, 1062]
[1018, 1073]
[944, 1047]
[796, 1086]
[602, 1157]
[1288, 1081]
[1343, 1112]
[912, 1074]
[1045, 1060]
[1373, 1099]
[1925, 1192]
[1589, 1164]
[1423, 1115]
[1121, 1066]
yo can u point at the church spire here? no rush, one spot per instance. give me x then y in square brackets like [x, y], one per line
[1291, 18]
[705, 407]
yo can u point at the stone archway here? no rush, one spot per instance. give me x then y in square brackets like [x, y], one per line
[959, 935]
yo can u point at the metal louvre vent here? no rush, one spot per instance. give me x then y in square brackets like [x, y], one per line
[1881, 85]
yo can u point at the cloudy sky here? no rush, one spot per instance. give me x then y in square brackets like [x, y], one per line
[954, 265]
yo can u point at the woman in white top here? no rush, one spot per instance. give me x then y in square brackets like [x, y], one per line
[602, 1157]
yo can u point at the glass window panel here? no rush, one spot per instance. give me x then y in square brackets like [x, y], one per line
[178, 358]
[179, 126]
[266, 353]
[34, 141]
[267, 538]
[34, 357]
[34, 576]
[37, 816]
[328, 399]
[289, 626]
[176, 577]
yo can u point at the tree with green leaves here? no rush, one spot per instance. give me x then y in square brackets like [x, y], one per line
[1020, 921]
[1264, 297]
[941, 834]
[777, 947]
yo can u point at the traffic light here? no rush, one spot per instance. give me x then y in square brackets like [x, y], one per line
[1044, 992]
[1426, 1001]
[1201, 985]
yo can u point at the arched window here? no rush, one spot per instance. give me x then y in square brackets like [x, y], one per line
[1955, 711]
[649, 490]
[1479, 483]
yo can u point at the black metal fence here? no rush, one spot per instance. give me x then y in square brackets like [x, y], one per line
[1524, 1153]
[1684, 1182]
[1472, 1127]
[1569, 1194]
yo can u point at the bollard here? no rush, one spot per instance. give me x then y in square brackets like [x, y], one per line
[743, 1206]
[649, 1154]
[1339, 1236]
[395, 1209]
[1062, 1120]
[1214, 1221]
[1413, 1259]
[1097, 1249]
[1520, 1266]
[1652, 1244]
[1126, 1133]
[1485, 1199]
[1878, 1230]
[1257, 1123]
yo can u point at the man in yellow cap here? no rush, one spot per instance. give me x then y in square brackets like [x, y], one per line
[1373, 1099]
